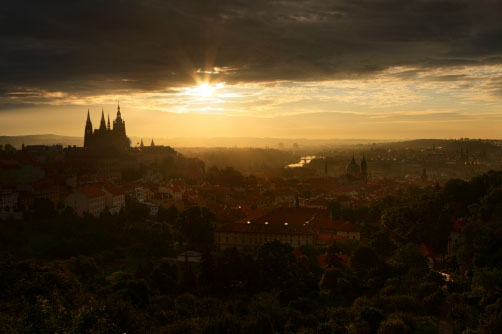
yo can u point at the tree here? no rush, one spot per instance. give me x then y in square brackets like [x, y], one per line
[43, 208]
[188, 281]
[330, 279]
[383, 245]
[196, 224]
[335, 210]
[135, 210]
[168, 215]
[207, 271]
[161, 239]
[227, 176]
[165, 277]
[276, 261]
[333, 259]
[393, 326]
[364, 258]
[408, 257]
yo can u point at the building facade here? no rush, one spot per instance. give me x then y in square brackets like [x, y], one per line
[89, 199]
[114, 198]
[296, 226]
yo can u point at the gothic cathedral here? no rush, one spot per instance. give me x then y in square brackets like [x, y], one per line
[106, 138]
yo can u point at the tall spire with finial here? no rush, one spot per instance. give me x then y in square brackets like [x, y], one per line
[108, 125]
[364, 169]
[88, 130]
[118, 109]
[102, 125]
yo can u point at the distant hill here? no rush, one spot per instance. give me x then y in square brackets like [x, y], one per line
[255, 142]
[46, 139]
[246, 142]
[447, 144]
[280, 143]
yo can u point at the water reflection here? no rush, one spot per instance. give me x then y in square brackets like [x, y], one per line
[303, 161]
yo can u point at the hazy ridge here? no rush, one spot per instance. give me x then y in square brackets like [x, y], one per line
[281, 143]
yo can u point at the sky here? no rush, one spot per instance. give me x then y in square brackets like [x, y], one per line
[339, 69]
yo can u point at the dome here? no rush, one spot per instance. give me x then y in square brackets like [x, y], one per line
[353, 168]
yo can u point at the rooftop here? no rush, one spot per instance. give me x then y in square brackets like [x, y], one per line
[92, 191]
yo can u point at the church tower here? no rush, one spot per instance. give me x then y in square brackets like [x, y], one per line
[119, 124]
[353, 169]
[88, 131]
[364, 169]
[119, 131]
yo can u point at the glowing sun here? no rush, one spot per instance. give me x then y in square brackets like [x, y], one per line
[204, 90]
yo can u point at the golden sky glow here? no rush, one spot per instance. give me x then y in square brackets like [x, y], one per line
[398, 103]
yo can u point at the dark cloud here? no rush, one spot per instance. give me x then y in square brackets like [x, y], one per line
[89, 46]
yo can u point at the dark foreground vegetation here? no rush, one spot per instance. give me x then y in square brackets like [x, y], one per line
[63, 274]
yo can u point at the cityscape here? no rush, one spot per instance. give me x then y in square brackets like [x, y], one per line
[310, 167]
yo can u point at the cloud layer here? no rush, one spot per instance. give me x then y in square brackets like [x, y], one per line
[90, 47]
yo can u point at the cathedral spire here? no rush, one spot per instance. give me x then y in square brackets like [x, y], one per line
[88, 130]
[108, 125]
[102, 125]
[118, 109]
[141, 145]
[152, 143]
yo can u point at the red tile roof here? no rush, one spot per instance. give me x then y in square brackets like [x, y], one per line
[328, 237]
[345, 227]
[174, 188]
[457, 225]
[264, 228]
[115, 191]
[323, 260]
[92, 191]
[426, 250]
[298, 254]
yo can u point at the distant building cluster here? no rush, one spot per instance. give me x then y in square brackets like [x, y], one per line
[94, 199]
[107, 174]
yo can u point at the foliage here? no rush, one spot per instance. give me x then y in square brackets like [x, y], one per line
[119, 273]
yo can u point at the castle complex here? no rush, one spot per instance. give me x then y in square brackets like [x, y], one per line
[105, 137]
